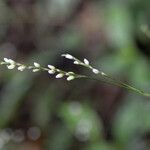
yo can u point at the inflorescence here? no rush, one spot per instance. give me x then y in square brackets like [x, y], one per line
[52, 70]
[36, 67]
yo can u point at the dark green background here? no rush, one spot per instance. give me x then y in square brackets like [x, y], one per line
[39, 112]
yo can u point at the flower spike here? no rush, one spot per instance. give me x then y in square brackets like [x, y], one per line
[86, 61]
[68, 56]
[60, 75]
[37, 65]
[50, 69]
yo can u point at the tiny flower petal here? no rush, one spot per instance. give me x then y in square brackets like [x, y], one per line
[86, 61]
[76, 62]
[70, 73]
[95, 71]
[103, 74]
[58, 70]
[36, 70]
[70, 78]
[51, 71]
[21, 68]
[30, 67]
[11, 61]
[36, 64]
[68, 56]
[12, 66]
[51, 67]
[60, 75]
[6, 60]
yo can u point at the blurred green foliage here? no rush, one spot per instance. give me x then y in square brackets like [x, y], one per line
[41, 113]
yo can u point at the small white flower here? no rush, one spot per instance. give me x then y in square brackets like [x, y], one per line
[36, 70]
[21, 68]
[76, 62]
[86, 61]
[10, 61]
[36, 64]
[103, 74]
[60, 75]
[95, 71]
[69, 73]
[68, 56]
[30, 67]
[12, 66]
[51, 71]
[58, 70]
[51, 67]
[6, 60]
[70, 78]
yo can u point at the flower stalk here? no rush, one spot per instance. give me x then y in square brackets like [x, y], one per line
[52, 70]
[36, 67]
[107, 78]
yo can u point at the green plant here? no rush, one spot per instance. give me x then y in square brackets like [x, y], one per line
[11, 64]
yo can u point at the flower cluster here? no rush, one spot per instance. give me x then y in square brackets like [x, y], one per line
[60, 73]
[11, 64]
[85, 63]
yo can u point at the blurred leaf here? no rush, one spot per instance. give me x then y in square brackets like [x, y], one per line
[100, 146]
[132, 120]
[119, 24]
[140, 74]
[60, 139]
[81, 121]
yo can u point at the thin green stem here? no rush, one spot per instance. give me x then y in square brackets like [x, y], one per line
[71, 75]
[114, 81]
[118, 83]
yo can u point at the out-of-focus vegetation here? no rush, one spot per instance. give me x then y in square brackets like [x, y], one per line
[38, 112]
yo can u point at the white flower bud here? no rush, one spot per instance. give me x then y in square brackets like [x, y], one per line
[60, 75]
[12, 66]
[86, 61]
[21, 68]
[36, 70]
[69, 73]
[95, 71]
[51, 67]
[51, 71]
[10, 61]
[6, 60]
[30, 67]
[76, 62]
[70, 78]
[36, 64]
[58, 70]
[103, 74]
[68, 56]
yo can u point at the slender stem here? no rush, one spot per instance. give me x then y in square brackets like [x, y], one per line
[118, 83]
[114, 81]
[105, 78]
